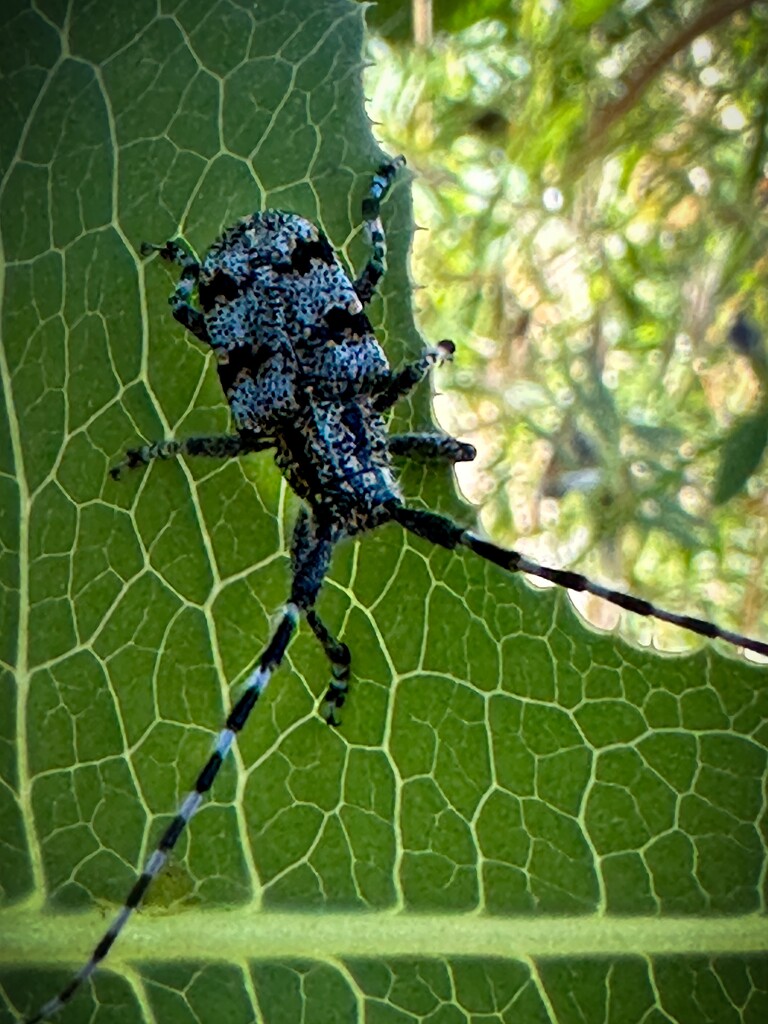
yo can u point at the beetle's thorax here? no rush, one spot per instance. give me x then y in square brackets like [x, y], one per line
[335, 457]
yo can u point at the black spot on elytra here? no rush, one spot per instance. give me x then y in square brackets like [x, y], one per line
[304, 252]
[340, 321]
[220, 286]
[352, 418]
[243, 358]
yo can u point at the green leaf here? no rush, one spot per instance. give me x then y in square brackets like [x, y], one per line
[393, 19]
[584, 13]
[520, 820]
[742, 453]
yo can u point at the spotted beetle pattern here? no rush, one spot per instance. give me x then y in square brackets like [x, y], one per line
[282, 317]
[299, 362]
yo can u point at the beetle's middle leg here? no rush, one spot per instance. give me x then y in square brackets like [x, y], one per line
[397, 385]
[218, 446]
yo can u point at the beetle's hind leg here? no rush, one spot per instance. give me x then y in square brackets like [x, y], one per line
[365, 285]
[173, 252]
[181, 307]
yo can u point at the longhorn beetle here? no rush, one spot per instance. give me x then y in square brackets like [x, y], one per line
[305, 376]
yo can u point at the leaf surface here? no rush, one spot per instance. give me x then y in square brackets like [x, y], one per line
[521, 820]
[742, 452]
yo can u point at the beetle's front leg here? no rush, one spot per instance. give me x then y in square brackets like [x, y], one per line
[307, 554]
[431, 447]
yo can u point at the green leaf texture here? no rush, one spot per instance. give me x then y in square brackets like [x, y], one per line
[520, 820]
[743, 451]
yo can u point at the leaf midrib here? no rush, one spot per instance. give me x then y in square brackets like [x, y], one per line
[247, 934]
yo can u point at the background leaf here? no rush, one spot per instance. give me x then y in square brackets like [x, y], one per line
[742, 453]
[521, 820]
[594, 198]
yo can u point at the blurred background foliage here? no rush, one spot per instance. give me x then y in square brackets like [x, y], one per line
[592, 178]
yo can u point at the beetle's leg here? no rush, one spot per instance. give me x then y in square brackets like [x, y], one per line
[340, 659]
[365, 285]
[223, 446]
[172, 252]
[302, 551]
[397, 385]
[431, 447]
[255, 685]
[182, 309]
